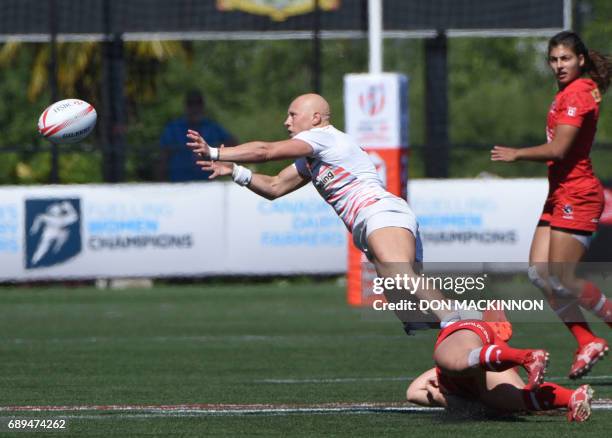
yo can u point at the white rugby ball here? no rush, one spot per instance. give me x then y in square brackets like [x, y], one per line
[67, 121]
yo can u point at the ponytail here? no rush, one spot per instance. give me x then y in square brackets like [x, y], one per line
[598, 66]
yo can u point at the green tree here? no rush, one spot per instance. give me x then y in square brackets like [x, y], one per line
[499, 92]
[25, 67]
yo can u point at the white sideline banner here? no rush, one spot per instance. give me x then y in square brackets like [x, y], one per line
[89, 231]
[298, 233]
[163, 230]
[477, 220]
[198, 229]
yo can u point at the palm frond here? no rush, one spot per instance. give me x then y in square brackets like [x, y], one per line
[9, 51]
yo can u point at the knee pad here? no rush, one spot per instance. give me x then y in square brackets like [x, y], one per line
[559, 288]
[535, 278]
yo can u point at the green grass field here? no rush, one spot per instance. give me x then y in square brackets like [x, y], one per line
[273, 343]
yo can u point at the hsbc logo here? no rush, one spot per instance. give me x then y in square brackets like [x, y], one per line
[372, 100]
[325, 178]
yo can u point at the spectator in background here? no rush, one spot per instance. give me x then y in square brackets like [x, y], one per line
[176, 162]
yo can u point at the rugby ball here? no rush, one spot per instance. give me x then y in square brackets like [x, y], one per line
[67, 121]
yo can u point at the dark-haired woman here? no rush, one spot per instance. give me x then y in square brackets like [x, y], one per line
[575, 198]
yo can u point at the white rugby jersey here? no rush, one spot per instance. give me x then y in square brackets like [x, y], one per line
[341, 171]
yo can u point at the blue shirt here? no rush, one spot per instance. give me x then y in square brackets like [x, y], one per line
[181, 162]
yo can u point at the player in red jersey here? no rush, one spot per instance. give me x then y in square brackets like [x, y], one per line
[575, 198]
[474, 363]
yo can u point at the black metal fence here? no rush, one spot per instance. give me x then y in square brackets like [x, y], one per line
[138, 44]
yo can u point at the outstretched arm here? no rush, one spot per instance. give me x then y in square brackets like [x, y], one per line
[252, 152]
[555, 150]
[270, 187]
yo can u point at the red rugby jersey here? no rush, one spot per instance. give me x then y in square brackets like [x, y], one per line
[576, 105]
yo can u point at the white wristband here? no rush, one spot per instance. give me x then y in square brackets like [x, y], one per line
[214, 154]
[241, 175]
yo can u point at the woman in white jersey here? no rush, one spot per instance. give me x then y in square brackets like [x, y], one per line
[383, 225]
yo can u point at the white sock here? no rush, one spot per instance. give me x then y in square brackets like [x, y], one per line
[460, 315]
[450, 319]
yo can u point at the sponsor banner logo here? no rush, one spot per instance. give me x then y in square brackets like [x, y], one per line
[372, 100]
[122, 227]
[52, 231]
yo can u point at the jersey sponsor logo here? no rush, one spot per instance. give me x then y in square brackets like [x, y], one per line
[475, 324]
[571, 111]
[324, 179]
[52, 231]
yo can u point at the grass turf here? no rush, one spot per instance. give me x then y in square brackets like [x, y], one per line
[266, 343]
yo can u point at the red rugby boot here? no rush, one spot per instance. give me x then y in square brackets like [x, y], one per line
[586, 356]
[535, 364]
[579, 406]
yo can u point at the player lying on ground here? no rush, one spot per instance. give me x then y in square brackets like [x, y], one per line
[383, 225]
[474, 363]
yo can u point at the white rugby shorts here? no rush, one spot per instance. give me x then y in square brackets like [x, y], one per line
[387, 212]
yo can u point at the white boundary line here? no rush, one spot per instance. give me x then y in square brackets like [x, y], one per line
[225, 409]
[201, 339]
[335, 380]
[152, 411]
[392, 379]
